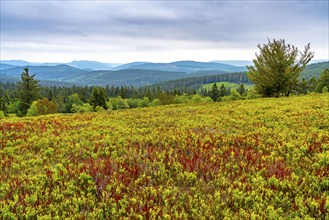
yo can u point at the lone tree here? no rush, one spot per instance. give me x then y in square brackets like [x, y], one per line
[28, 91]
[277, 68]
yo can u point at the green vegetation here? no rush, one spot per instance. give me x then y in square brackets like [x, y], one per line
[314, 70]
[278, 67]
[323, 81]
[28, 91]
[227, 85]
[250, 159]
[98, 98]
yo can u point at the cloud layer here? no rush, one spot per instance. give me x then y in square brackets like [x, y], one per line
[115, 31]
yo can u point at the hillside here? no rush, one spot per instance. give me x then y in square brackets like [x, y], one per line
[314, 70]
[195, 83]
[188, 66]
[139, 74]
[127, 77]
[90, 65]
[56, 73]
[67, 74]
[242, 159]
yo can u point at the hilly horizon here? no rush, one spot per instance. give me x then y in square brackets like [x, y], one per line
[97, 73]
[97, 65]
[130, 74]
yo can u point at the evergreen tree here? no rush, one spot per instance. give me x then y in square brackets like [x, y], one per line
[222, 91]
[98, 98]
[323, 80]
[214, 92]
[277, 68]
[2, 101]
[312, 84]
[241, 89]
[28, 91]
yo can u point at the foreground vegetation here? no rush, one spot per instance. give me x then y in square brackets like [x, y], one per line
[251, 159]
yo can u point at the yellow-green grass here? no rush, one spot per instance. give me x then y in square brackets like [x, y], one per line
[250, 159]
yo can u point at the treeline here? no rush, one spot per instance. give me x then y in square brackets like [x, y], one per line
[29, 98]
[194, 83]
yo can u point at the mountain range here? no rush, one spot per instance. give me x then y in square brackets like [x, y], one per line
[97, 73]
[130, 74]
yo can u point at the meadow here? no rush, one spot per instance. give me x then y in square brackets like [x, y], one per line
[246, 159]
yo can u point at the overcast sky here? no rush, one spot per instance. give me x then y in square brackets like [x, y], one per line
[158, 31]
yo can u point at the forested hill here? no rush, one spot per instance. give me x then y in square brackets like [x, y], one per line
[314, 70]
[205, 77]
[194, 83]
[145, 74]
[64, 75]
[187, 66]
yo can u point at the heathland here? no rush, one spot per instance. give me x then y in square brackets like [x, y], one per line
[247, 159]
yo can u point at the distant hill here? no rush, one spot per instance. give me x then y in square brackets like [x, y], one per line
[179, 66]
[314, 69]
[16, 62]
[55, 73]
[195, 83]
[235, 62]
[67, 74]
[91, 65]
[127, 77]
[129, 65]
[147, 74]
[188, 66]
[205, 77]
[6, 66]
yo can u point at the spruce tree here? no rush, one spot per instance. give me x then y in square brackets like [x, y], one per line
[28, 91]
[277, 68]
[222, 91]
[241, 89]
[98, 98]
[214, 92]
[2, 101]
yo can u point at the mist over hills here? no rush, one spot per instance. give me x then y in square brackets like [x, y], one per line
[90, 65]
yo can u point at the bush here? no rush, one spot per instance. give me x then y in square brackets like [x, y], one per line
[252, 94]
[42, 107]
[119, 103]
[2, 115]
[234, 95]
[85, 107]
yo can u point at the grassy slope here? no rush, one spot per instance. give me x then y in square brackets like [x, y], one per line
[244, 159]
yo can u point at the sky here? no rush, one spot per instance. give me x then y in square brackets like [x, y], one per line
[158, 31]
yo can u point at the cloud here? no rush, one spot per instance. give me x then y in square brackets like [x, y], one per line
[154, 26]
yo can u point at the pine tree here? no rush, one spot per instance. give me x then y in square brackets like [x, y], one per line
[28, 91]
[2, 101]
[214, 92]
[277, 68]
[98, 98]
[222, 91]
[241, 89]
